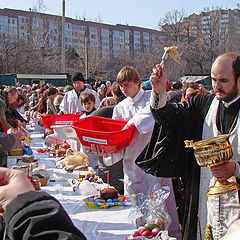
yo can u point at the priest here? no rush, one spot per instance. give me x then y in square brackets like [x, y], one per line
[201, 117]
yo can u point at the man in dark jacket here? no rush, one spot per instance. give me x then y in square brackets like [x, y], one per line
[8, 113]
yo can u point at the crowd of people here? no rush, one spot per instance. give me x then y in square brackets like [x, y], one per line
[164, 115]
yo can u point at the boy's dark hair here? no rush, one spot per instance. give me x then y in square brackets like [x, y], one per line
[86, 96]
[51, 91]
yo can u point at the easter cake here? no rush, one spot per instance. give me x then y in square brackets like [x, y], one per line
[108, 193]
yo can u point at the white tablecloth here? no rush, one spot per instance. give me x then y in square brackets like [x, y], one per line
[95, 224]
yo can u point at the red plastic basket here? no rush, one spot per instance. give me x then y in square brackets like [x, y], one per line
[106, 133]
[49, 120]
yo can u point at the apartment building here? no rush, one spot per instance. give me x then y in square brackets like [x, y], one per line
[44, 30]
[216, 25]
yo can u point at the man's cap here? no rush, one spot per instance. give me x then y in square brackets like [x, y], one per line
[77, 77]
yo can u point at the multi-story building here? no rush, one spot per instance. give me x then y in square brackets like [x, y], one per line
[44, 30]
[217, 26]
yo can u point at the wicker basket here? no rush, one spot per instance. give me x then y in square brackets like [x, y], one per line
[75, 160]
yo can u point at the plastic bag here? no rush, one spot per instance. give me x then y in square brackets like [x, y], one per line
[151, 209]
[86, 188]
[27, 150]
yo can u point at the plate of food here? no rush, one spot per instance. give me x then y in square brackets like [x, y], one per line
[108, 198]
[43, 150]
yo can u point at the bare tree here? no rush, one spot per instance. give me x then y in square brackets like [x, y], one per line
[172, 23]
[39, 6]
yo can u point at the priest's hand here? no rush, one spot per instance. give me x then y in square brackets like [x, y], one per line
[158, 79]
[223, 171]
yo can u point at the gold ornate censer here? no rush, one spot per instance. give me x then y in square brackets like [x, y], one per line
[212, 152]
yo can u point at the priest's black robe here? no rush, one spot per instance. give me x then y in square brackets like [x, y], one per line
[166, 155]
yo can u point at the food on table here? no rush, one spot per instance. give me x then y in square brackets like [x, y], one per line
[75, 160]
[96, 202]
[35, 182]
[108, 193]
[23, 168]
[28, 159]
[26, 168]
[16, 152]
[86, 175]
[121, 198]
[65, 145]
[43, 176]
[59, 150]
[142, 222]
[90, 177]
[149, 230]
[27, 150]
[43, 150]
[55, 146]
[25, 139]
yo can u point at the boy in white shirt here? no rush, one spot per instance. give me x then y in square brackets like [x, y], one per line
[135, 109]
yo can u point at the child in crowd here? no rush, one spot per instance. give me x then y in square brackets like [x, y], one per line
[88, 103]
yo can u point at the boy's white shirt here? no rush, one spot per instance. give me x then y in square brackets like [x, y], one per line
[137, 112]
[83, 116]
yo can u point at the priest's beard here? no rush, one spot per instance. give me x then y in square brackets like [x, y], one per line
[231, 95]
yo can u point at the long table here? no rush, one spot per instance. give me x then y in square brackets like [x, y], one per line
[95, 224]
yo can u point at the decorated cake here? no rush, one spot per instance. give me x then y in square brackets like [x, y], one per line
[108, 193]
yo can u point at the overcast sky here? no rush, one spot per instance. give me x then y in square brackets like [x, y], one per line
[143, 13]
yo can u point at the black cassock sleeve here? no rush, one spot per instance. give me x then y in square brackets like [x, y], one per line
[165, 155]
[156, 159]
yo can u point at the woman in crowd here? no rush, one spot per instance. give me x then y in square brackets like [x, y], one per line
[116, 94]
